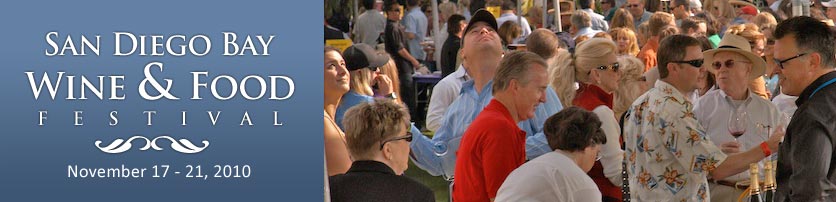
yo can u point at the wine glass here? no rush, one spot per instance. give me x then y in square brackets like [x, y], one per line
[738, 121]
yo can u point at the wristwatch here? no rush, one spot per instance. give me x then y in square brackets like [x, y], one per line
[391, 96]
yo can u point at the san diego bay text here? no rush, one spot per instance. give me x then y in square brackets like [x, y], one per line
[161, 171]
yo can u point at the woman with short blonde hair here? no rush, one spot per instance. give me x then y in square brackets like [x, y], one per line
[378, 137]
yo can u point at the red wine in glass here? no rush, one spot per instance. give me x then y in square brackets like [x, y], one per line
[737, 134]
[737, 123]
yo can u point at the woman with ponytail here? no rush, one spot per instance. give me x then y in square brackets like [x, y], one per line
[594, 67]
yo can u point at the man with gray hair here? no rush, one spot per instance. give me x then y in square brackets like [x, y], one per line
[582, 25]
[493, 145]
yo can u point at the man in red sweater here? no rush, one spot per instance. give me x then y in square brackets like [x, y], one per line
[494, 145]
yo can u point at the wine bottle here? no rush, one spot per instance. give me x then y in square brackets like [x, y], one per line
[769, 181]
[754, 185]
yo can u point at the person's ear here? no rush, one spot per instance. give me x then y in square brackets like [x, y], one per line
[387, 151]
[671, 68]
[514, 84]
[815, 60]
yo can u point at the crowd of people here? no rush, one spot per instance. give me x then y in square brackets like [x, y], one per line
[643, 100]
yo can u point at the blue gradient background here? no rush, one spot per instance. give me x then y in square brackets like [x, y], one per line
[286, 161]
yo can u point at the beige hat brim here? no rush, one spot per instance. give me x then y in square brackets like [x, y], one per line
[758, 65]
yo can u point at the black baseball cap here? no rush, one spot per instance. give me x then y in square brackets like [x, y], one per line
[481, 15]
[359, 56]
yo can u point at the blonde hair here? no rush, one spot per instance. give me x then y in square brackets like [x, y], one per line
[633, 47]
[368, 124]
[603, 35]
[764, 19]
[622, 18]
[629, 85]
[445, 10]
[360, 81]
[575, 68]
[725, 9]
[391, 71]
[748, 31]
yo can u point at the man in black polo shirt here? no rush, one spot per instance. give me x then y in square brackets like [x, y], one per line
[805, 58]
[397, 47]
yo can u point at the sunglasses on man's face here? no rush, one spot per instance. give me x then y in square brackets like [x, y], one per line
[633, 5]
[694, 63]
[729, 64]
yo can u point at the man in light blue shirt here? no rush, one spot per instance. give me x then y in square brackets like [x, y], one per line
[482, 52]
[415, 24]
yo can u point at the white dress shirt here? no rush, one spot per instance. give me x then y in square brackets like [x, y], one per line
[714, 109]
[444, 93]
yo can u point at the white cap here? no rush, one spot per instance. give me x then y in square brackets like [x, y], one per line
[829, 4]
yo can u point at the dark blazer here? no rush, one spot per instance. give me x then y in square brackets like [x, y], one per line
[370, 181]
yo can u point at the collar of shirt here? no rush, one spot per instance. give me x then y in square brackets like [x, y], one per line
[468, 87]
[730, 101]
[668, 89]
[805, 95]
[461, 73]
[497, 106]
[370, 166]
[591, 96]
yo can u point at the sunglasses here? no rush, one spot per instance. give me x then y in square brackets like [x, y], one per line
[632, 5]
[781, 62]
[729, 64]
[695, 63]
[613, 66]
[396, 10]
[407, 137]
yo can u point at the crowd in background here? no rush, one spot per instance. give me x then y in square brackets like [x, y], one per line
[646, 100]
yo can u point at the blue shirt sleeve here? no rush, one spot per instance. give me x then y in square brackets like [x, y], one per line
[536, 143]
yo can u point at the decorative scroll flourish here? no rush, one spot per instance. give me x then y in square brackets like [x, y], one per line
[182, 145]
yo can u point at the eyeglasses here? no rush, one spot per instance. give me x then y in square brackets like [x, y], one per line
[407, 137]
[613, 66]
[729, 64]
[632, 5]
[695, 63]
[781, 62]
[396, 10]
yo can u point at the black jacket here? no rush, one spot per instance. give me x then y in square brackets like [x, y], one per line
[371, 181]
[806, 164]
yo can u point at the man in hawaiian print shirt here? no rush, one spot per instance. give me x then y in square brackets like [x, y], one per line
[669, 157]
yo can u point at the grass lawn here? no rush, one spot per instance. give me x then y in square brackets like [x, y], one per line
[436, 183]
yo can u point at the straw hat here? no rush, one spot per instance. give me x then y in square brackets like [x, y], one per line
[737, 44]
